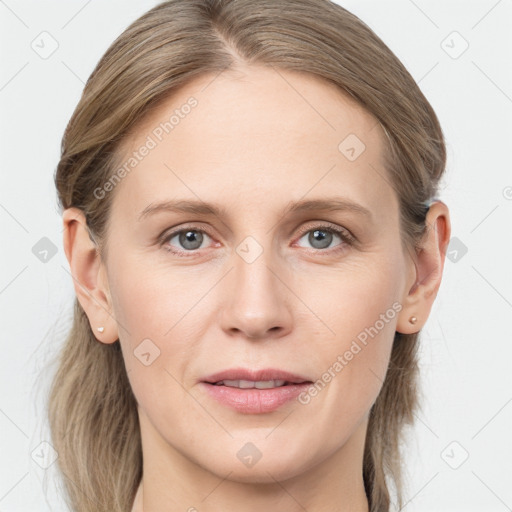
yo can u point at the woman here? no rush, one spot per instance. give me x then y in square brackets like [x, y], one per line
[248, 194]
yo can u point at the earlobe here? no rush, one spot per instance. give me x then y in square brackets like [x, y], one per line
[89, 276]
[428, 264]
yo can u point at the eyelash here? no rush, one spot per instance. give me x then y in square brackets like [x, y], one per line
[346, 237]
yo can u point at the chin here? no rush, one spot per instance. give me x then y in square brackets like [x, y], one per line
[267, 466]
[263, 474]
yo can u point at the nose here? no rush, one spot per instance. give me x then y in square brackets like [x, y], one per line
[259, 303]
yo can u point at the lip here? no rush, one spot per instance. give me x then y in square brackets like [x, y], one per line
[254, 401]
[255, 375]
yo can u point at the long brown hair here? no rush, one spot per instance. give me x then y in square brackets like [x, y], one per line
[92, 410]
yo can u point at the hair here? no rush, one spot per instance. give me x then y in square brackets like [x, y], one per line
[92, 410]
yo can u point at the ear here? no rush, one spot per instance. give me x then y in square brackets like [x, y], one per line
[425, 279]
[89, 275]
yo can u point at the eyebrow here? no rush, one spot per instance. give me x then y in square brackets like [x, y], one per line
[200, 207]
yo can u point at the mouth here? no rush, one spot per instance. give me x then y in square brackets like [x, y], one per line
[260, 384]
[254, 392]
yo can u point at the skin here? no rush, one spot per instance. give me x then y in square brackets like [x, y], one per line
[253, 145]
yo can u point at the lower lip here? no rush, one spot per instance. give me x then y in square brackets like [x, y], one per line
[252, 400]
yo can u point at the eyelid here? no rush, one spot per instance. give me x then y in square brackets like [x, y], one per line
[173, 231]
[342, 232]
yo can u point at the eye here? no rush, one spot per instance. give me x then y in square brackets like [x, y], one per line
[189, 240]
[321, 237]
[185, 240]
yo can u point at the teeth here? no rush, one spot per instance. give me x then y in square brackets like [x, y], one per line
[266, 384]
[248, 384]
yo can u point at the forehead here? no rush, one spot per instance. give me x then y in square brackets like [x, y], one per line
[258, 135]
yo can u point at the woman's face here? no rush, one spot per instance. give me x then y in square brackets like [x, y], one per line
[264, 275]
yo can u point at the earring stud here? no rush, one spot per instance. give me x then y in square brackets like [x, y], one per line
[413, 320]
[101, 329]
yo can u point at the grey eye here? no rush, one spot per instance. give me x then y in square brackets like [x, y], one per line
[320, 238]
[189, 239]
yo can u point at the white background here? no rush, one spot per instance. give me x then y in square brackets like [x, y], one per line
[466, 344]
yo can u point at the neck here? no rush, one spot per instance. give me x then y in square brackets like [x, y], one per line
[173, 482]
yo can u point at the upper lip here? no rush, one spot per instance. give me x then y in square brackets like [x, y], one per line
[255, 375]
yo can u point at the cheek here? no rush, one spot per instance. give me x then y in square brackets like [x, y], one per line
[350, 298]
[151, 301]
[157, 308]
[358, 308]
